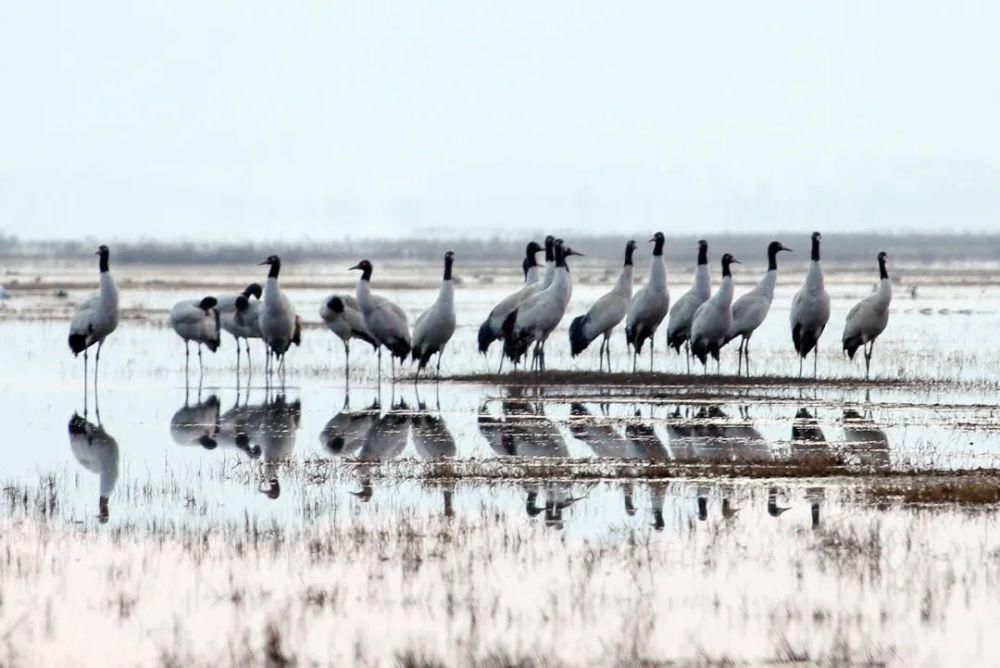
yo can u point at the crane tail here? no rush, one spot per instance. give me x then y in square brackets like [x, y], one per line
[578, 340]
[851, 345]
[77, 343]
[486, 336]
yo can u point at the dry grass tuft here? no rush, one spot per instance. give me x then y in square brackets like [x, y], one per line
[973, 490]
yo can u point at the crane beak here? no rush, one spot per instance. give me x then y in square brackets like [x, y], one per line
[357, 266]
[260, 264]
[652, 239]
[786, 248]
[573, 252]
[735, 261]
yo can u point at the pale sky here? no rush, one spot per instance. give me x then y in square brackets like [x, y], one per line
[251, 119]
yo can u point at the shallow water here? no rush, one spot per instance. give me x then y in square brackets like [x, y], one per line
[263, 512]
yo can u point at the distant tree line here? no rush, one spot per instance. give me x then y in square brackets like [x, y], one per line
[849, 247]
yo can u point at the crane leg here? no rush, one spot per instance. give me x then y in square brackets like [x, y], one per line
[86, 382]
[201, 368]
[97, 368]
[687, 355]
[815, 360]
[439, 365]
[746, 354]
[347, 359]
[739, 357]
[800, 365]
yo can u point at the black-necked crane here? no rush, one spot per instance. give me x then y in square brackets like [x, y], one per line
[95, 319]
[232, 317]
[198, 321]
[750, 310]
[434, 327]
[385, 320]
[535, 319]
[343, 317]
[492, 328]
[810, 309]
[867, 320]
[713, 319]
[280, 326]
[649, 306]
[605, 314]
[682, 314]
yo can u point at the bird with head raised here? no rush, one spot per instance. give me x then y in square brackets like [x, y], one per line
[386, 322]
[649, 305]
[279, 324]
[605, 314]
[492, 327]
[682, 313]
[434, 327]
[714, 318]
[750, 310]
[535, 319]
[810, 309]
[869, 317]
[95, 318]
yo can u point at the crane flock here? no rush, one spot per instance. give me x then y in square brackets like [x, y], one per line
[702, 322]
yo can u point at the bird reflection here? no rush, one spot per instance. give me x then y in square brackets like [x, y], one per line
[345, 432]
[97, 451]
[866, 440]
[604, 439]
[710, 433]
[523, 430]
[657, 495]
[197, 424]
[599, 434]
[385, 441]
[815, 496]
[773, 509]
[807, 437]
[272, 428]
[235, 428]
[643, 443]
[433, 441]
[558, 497]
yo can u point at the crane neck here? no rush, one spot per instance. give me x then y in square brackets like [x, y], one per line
[629, 251]
[702, 281]
[657, 273]
[107, 287]
[702, 254]
[814, 279]
[884, 293]
[815, 249]
[624, 285]
[448, 261]
[767, 283]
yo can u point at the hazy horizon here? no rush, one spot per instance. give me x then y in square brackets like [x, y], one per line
[244, 120]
